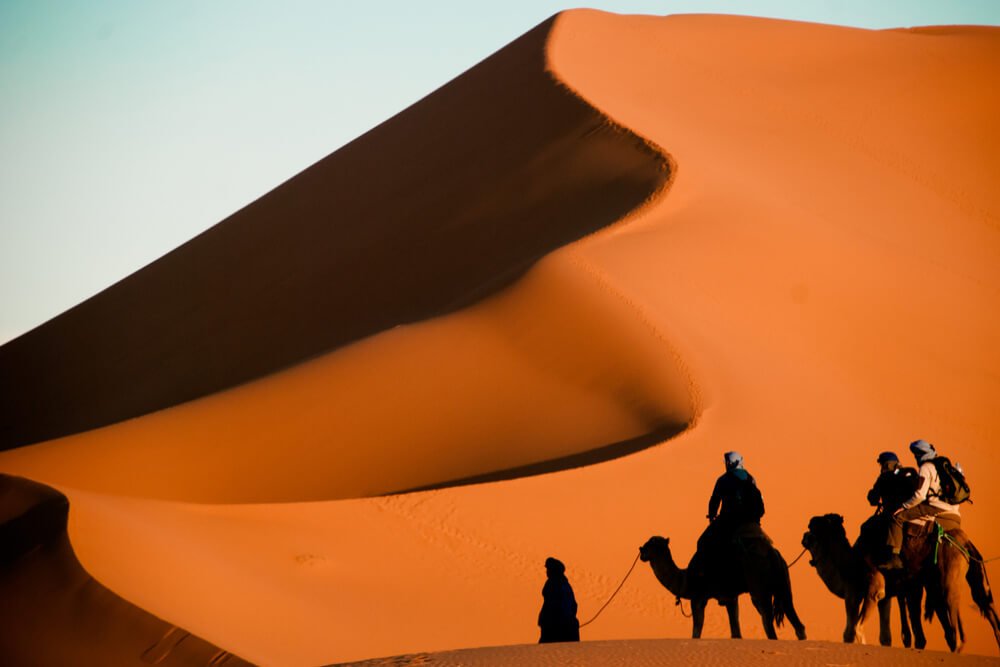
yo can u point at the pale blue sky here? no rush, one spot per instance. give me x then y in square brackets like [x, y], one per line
[126, 128]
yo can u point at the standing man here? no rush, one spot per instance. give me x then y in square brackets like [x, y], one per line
[557, 619]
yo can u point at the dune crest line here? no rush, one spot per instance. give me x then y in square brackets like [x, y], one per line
[437, 219]
[448, 201]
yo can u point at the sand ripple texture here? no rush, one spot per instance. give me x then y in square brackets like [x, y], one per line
[702, 653]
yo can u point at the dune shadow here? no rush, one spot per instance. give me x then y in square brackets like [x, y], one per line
[602, 454]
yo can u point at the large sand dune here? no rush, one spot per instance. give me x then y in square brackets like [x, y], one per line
[768, 236]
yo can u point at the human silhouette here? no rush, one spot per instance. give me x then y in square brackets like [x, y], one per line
[557, 619]
[736, 506]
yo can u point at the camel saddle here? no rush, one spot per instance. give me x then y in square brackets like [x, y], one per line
[926, 527]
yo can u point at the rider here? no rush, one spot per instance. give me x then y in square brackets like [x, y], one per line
[924, 503]
[894, 486]
[733, 491]
[741, 504]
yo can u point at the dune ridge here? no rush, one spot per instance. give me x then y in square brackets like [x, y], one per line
[364, 240]
[54, 613]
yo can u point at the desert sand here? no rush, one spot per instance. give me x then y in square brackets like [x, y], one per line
[526, 317]
[706, 652]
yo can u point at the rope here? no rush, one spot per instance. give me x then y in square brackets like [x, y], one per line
[803, 553]
[683, 613]
[613, 594]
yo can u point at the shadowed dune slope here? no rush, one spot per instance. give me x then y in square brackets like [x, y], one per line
[54, 613]
[558, 370]
[442, 204]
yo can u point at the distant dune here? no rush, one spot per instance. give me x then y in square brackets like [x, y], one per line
[550, 295]
[54, 613]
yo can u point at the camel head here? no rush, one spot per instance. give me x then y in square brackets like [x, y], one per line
[655, 547]
[824, 531]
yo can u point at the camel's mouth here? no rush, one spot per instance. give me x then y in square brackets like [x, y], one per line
[643, 556]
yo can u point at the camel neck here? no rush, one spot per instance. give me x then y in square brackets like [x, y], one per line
[673, 578]
[834, 564]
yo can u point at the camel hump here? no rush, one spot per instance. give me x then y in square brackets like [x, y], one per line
[752, 532]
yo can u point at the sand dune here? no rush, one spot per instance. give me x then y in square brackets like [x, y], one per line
[54, 613]
[442, 204]
[818, 283]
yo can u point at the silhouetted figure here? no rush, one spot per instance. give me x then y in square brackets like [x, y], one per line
[924, 504]
[894, 486]
[736, 505]
[557, 619]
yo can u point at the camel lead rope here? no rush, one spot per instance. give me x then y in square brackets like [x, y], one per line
[796, 559]
[680, 603]
[613, 594]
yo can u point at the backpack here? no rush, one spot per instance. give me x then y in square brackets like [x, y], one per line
[752, 503]
[954, 488]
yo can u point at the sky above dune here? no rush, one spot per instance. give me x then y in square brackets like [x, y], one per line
[128, 128]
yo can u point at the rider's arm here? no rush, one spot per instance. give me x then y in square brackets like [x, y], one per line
[920, 495]
[713, 503]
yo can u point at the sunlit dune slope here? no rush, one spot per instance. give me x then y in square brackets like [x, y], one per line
[818, 284]
[54, 613]
[442, 204]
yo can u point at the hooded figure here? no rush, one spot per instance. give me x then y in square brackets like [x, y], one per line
[894, 486]
[741, 505]
[557, 619]
[923, 505]
[736, 491]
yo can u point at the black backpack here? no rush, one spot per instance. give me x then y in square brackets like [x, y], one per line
[954, 488]
[751, 501]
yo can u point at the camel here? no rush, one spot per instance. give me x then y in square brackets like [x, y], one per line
[943, 554]
[761, 572]
[935, 559]
[854, 578]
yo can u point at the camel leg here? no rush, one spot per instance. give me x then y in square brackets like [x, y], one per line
[979, 585]
[914, 597]
[884, 617]
[904, 621]
[952, 570]
[697, 616]
[733, 610]
[852, 609]
[793, 618]
[765, 607]
[991, 615]
[785, 600]
[866, 608]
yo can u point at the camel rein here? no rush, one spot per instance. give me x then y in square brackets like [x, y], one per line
[627, 574]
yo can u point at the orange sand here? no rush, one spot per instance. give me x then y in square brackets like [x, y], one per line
[816, 283]
[704, 653]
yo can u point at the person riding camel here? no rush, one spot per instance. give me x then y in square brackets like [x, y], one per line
[736, 491]
[925, 503]
[894, 486]
[735, 503]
